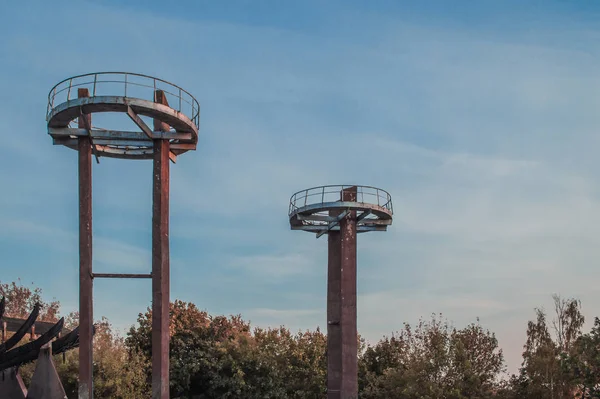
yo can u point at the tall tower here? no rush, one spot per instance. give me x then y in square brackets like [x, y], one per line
[175, 115]
[341, 212]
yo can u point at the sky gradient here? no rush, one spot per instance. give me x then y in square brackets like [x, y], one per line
[480, 118]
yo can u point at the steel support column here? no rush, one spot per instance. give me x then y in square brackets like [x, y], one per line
[342, 336]
[160, 262]
[349, 386]
[86, 311]
[334, 314]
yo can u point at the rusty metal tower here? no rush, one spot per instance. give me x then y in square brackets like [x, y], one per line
[176, 116]
[341, 212]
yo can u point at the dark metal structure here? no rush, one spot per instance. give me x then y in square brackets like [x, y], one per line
[341, 212]
[45, 382]
[176, 116]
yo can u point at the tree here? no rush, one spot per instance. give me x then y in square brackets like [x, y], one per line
[210, 356]
[221, 357]
[584, 363]
[299, 360]
[118, 373]
[20, 301]
[432, 361]
[545, 371]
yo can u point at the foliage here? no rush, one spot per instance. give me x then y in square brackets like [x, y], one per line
[433, 360]
[223, 357]
[584, 363]
[299, 360]
[118, 372]
[220, 357]
[547, 369]
[21, 299]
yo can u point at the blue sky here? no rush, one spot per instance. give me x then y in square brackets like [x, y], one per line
[480, 118]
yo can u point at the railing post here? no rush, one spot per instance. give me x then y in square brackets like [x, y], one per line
[95, 78]
[69, 92]
[125, 85]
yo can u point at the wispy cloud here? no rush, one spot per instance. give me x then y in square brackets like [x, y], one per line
[485, 134]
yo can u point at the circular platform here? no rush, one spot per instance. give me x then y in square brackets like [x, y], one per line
[134, 95]
[317, 209]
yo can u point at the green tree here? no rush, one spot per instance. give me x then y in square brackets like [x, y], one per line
[433, 360]
[117, 373]
[584, 363]
[299, 360]
[210, 356]
[545, 371]
[221, 357]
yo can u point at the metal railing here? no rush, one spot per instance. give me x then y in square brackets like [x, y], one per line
[133, 85]
[331, 193]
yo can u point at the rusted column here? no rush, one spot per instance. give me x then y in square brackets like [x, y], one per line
[160, 262]
[342, 336]
[334, 314]
[349, 386]
[86, 314]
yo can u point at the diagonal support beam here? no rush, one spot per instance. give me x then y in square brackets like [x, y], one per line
[146, 129]
[138, 121]
[363, 215]
[333, 224]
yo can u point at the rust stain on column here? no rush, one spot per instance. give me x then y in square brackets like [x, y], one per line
[160, 262]
[334, 314]
[86, 314]
[349, 334]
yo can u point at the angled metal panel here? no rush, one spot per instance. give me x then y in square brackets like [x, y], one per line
[20, 333]
[11, 385]
[45, 382]
[18, 355]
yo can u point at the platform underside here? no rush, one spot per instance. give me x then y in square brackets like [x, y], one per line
[122, 144]
[316, 218]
